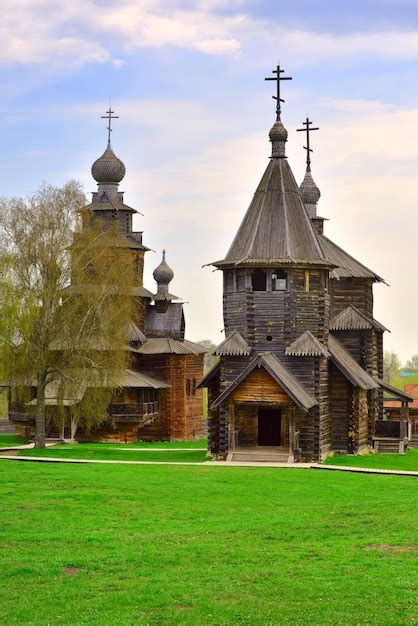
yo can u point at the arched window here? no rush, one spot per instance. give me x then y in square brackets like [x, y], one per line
[259, 280]
[279, 280]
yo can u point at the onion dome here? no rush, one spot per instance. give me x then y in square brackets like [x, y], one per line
[309, 190]
[108, 168]
[310, 193]
[163, 274]
[278, 138]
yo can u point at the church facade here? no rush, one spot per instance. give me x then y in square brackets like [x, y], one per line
[300, 370]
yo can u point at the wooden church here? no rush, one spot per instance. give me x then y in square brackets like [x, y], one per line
[300, 371]
[157, 398]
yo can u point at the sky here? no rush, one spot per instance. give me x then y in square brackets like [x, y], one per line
[187, 81]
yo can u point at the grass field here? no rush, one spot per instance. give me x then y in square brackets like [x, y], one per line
[408, 461]
[152, 451]
[11, 440]
[120, 453]
[200, 545]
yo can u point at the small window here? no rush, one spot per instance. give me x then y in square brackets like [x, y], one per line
[307, 280]
[259, 280]
[279, 280]
[190, 387]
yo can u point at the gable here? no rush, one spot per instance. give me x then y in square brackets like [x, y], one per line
[259, 386]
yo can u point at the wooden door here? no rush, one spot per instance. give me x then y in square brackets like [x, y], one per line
[269, 427]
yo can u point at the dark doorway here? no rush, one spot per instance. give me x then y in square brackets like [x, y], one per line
[269, 425]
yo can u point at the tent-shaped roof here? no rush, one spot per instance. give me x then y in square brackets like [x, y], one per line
[307, 345]
[280, 374]
[352, 318]
[349, 367]
[276, 228]
[233, 345]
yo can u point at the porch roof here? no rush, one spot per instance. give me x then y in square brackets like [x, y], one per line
[209, 376]
[349, 367]
[280, 374]
[403, 397]
[70, 391]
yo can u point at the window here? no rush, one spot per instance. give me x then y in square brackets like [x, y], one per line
[190, 387]
[307, 280]
[259, 280]
[279, 280]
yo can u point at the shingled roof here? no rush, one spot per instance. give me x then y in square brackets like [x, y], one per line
[167, 345]
[280, 374]
[233, 345]
[307, 345]
[276, 228]
[347, 266]
[349, 367]
[352, 318]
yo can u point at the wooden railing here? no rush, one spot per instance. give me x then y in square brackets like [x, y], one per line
[388, 428]
[133, 412]
[18, 412]
[233, 440]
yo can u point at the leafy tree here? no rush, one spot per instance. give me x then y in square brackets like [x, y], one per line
[209, 359]
[65, 287]
[391, 366]
[412, 364]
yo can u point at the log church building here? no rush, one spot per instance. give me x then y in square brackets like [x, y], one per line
[157, 398]
[300, 372]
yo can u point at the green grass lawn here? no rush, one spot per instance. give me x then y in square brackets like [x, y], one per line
[11, 440]
[408, 461]
[128, 545]
[117, 452]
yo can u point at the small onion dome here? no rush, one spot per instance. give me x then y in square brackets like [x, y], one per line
[309, 190]
[163, 274]
[108, 168]
[278, 132]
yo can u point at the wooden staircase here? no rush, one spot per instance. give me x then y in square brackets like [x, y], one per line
[389, 445]
[262, 454]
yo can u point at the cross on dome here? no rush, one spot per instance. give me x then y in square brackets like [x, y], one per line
[109, 117]
[278, 78]
[308, 129]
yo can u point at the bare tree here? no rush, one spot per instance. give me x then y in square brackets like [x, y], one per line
[65, 301]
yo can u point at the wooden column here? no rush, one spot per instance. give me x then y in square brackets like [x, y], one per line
[223, 430]
[402, 429]
[231, 426]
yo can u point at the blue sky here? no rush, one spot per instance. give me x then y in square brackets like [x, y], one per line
[187, 79]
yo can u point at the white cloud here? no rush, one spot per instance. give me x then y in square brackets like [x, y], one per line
[89, 31]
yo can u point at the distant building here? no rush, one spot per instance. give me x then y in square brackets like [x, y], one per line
[393, 410]
[158, 396]
[301, 368]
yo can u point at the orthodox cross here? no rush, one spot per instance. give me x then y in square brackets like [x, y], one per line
[109, 117]
[278, 71]
[308, 129]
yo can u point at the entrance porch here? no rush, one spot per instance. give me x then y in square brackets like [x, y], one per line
[262, 432]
